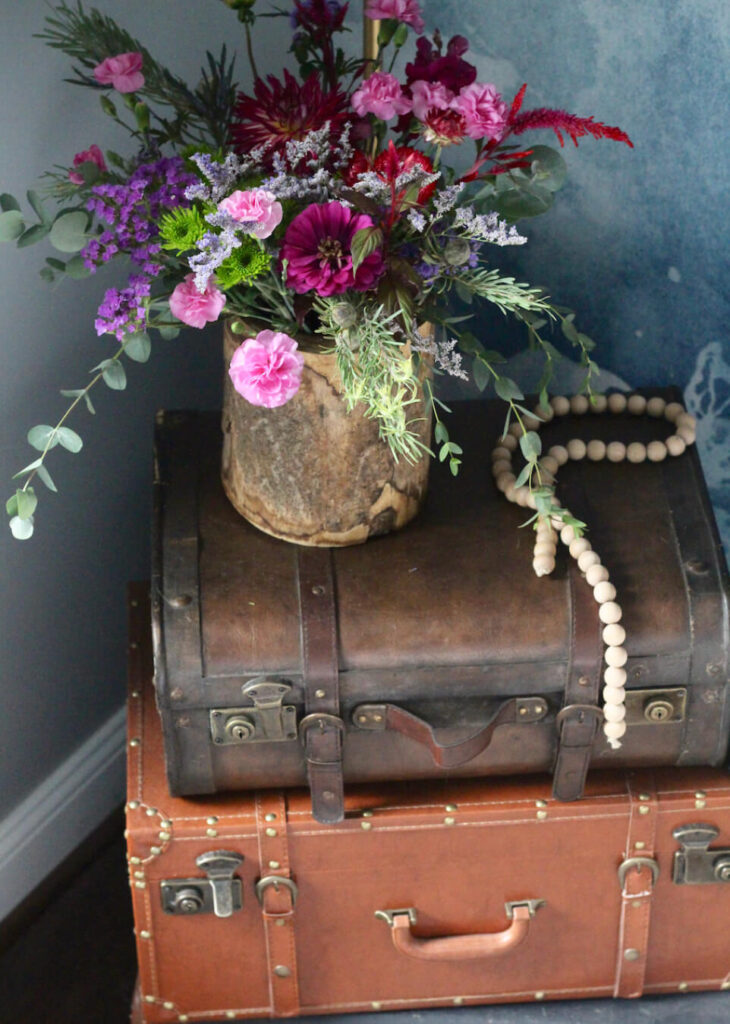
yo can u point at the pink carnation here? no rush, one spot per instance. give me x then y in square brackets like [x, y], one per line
[407, 11]
[255, 206]
[267, 370]
[429, 96]
[194, 308]
[92, 155]
[124, 72]
[381, 95]
[484, 113]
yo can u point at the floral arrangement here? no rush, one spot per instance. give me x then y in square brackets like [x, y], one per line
[318, 208]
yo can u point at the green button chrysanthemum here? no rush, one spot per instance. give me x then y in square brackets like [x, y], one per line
[181, 229]
[244, 263]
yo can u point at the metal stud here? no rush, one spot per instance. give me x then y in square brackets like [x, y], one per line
[636, 904]
[320, 694]
[271, 832]
[376, 1006]
[541, 815]
[457, 1000]
[135, 860]
[134, 742]
[281, 971]
[144, 935]
[699, 804]
[155, 851]
[644, 796]
[640, 845]
[725, 985]
[230, 1014]
[133, 805]
[365, 825]
[683, 986]
[541, 803]
[643, 809]
[133, 646]
[149, 999]
[449, 821]
[279, 922]
[539, 995]
[274, 864]
[165, 824]
[164, 836]
[134, 693]
[631, 954]
[450, 807]
[151, 812]
[367, 814]
[270, 817]
[183, 1017]
[139, 874]
[211, 833]
[212, 820]
[168, 1005]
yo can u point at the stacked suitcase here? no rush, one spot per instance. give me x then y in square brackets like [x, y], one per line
[379, 756]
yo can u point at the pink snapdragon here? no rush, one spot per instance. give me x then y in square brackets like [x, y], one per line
[381, 94]
[255, 206]
[429, 96]
[407, 11]
[194, 308]
[124, 72]
[92, 155]
[267, 370]
[484, 112]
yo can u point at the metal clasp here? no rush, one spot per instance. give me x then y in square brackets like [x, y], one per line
[269, 720]
[276, 880]
[220, 893]
[695, 863]
[638, 863]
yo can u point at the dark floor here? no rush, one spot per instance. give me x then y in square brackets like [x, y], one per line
[74, 964]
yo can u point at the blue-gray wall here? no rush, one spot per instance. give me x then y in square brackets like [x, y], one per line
[637, 244]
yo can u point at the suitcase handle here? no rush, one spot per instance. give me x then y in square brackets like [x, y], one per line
[461, 947]
[379, 717]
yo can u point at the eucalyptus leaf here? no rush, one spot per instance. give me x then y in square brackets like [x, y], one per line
[454, 466]
[481, 373]
[26, 503]
[138, 347]
[58, 265]
[47, 274]
[45, 476]
[40, 211]
[11, 505]
[42, 437]
[519, 203]
[21, 529]
[28, 469]
[548, 168]
[169, 333]
[494, 357]
[465, 294]
[69, 439]
[531, 445]
[32, 235]
[76, 269]
[440, 433]
[12, 225]
[569, 330]
[8, 202]
[114, 375]
[524, 475]
[507, 389]
[68, 233]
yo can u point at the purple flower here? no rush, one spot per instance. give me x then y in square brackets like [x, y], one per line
[322, 14]
[317, 248]
[450, 70]
[407, 11]
[124, 311]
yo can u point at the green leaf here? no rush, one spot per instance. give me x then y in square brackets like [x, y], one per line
[481, 373]
[138, 347]
[12, 225]
[42, 437]
[45, 476]
[76, 269]
[440, 433]
[454, 466]
[400, 35]
[58, 265]
[168, 333]
[569, 330]
[21, 529]
[583, 339]
[32, 235]
[69, 439]
[469, 343]
[107, 106]
[388, 28]
[465, 294]
[40, 211]
[115, 159]
[47, 274]
[364, 243]
[507, 389]
[114, 375]
[548, 168]
[142, 116]
[519, 203]
[444, 453]
[524, 475]
[26, 502]
[68, 233]
[28, 469]
[8, 202]
[531, 445]
[494, 357]
[11, 505]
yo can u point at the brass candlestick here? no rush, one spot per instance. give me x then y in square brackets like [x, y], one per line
[370, 30]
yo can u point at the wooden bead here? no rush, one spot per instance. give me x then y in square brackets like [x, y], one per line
[656, 451]
[500, 452]
[686, 420]
[615, 657]
[549, 463]
[544, 412]
[509, 493]
[614, 635]
[688, 435]
[576, 449]
[636, 404]
[598, 403]
[504, 480]
[516, 430]
[543, 547]
[604, 591]
[560, 405]
[579, 405]
[509, 442]
[501, 466]
[543, 526]
[521, 495]
[614, 712]
[614, 730]
[636, 452]
[530, 501]
[672, 411]
[609, 612]
[557, 523]
[596, 451]
[578, 546]
[675, 445]
[530, 423]
[543, 565]
[587, 559]
[567, 535]
[614, 676]
[559, 453]
[613, 694]
[615, 451]
[617, 402]
[656, 406]
[596, 574]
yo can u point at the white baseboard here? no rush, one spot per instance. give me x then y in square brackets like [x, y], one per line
[61, 812]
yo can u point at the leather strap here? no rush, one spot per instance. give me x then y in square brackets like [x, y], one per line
[637, 875]
[579, 721]
[461, 947]
[322, 729]
[379, 717]
[277, 900]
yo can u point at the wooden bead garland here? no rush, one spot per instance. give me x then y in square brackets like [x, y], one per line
[549, 529]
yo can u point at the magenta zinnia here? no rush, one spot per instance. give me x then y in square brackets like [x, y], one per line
[281, 111]
[317, 248]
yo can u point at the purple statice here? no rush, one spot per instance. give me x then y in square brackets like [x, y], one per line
[487, 227]
[213, 248]
[221, 175]
[133, 211]
[444, 354]
[124, 310]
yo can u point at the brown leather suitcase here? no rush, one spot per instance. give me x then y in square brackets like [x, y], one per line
[434, 652]
[428, 894]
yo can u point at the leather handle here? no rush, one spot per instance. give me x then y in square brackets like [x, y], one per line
[461, 947]
[379, 717]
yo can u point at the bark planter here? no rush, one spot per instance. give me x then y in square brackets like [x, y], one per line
[311, 472]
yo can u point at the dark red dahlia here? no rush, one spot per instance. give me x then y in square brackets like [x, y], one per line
[449, 69]
[318, 250]
[280, 111]
[396, 160]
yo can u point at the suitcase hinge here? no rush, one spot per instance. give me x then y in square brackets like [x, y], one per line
[220, 893]
[268, 720]
[695, 863]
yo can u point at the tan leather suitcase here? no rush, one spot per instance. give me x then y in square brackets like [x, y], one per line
[428, 894]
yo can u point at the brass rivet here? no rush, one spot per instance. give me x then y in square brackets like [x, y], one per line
[366, 825]
[320, 693]
[139, 874]
[449, 821]
[274, 864]
[541, 803]
[584, 681]
[377, 718]
[644, 796]
[631, 954]
[523, 711]
[271, 832]
[367, 814]
[135, 860]
[279, 922]
[281, 971]
[270, 817]
[151, 812]
[212, 820]
[644, 809]
[134, 693]
[700, 795]
[636, 904]
[450, 807]
[539, 995]
[164, 836]
[180, 601]
[133, 646]
[541, 815]
[149, 999]
[318, 590]
[376, 1006]
[458, 1000]
[211, 833]
[168, 1006]
[362, 718]
[144, 935]
[640, 845]
[699, 804]
[133, 805]
[140, 885]
[683, 986]
[725, 985]
[230, 1014]
[165, 824]
[183, 1017]
[155, 851]
[134, 742]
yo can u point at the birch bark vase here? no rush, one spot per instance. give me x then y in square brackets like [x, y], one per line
[309, 471]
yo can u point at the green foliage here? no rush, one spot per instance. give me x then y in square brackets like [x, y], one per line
[12, 225]
[247, 261]
[180, 229]
[138, 347]
[69, 231]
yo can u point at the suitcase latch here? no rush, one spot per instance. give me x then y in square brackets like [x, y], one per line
[695, 863]
[220, 893]
[268, 719]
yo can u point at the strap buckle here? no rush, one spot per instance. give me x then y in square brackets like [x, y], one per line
[638, 863]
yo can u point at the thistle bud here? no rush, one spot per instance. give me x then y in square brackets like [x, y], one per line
[344, 315]
[457, 252]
